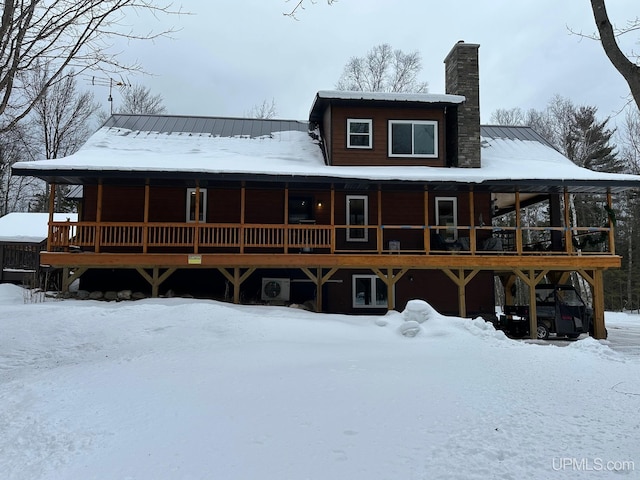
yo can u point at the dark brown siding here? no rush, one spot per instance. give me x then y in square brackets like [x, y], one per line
[432, 286]
[119, 204]
[378, 155]
[167, 204]
[224, 205]
[264, 206]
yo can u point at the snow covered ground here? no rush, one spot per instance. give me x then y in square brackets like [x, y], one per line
[194, 389]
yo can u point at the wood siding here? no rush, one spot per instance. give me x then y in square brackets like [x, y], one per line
[340, 155]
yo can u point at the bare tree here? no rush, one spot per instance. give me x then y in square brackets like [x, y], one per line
[264, 110]
[138, 99]
[299, 5]
[383, 69]
[16, 193]
[59, 123]
[61, 114]
[608, 37]
[61, 34]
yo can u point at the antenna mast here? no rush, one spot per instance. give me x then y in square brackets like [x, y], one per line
[109, 82]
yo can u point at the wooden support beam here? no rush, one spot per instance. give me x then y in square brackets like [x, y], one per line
[461, 279]
[243, 205]
[319, 279]
[612, 239]
[518, 225]
[145, 228]
[599, 327]
[427, 232]
[379, 235]
[333, 219]
[52, 206]
[236, 280]
[286, 219]
[99, 217]
[155, 280]
[68, 279]
[568, 238]
[390, 279]
[472, 222]
[532, 279]
[196, 230]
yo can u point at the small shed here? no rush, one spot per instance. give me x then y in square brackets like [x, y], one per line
[22, 237]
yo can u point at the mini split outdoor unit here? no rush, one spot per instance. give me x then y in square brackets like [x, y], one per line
[275, 289]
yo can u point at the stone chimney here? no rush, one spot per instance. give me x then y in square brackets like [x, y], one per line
[462, 78]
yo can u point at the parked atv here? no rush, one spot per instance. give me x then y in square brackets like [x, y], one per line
[559, 310]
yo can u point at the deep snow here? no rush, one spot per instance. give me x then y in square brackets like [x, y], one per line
[194, 389]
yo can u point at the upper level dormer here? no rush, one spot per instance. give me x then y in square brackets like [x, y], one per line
[405, 129]
[373, 128]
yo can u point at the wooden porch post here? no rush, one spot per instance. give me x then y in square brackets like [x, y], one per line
[379, 229]
[196, 229]
[427, 230]
[333, 219]
[596, 282]
[599, 330]
[461, 280]
[472, 223]
[567, 224]
[518, 225]
[319, 280]
[531, 279]
[555, 220]
[612, 239]
[52, 203]
[99, 218]
[242, 209]
[390, 279]
[285, 240]
[145, 228]
[236, 280]
[155, 279]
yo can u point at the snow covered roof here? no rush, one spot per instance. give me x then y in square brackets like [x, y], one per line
[510, 156]
[326, 97]
[29, 227]
[390, 96]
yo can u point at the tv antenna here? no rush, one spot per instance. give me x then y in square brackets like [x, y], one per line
[109, 82]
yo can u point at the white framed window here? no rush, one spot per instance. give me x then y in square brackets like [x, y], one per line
[359, 133]
[447, 216]
[191, 205]
[413, 138]
[369, 291]
[357, 214]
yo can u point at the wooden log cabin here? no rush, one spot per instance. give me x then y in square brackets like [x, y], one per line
[375, 200]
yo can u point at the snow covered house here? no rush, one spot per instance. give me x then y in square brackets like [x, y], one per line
[375, 200]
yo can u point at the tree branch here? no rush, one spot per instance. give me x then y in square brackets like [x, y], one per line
[629, 70]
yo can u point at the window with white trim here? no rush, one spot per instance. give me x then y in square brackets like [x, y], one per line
[359, 133]
[191, 205]
[369, 291]
[413, 138]
[357, 214]
[447, 216]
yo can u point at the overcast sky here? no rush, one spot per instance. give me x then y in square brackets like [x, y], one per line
[231, 55]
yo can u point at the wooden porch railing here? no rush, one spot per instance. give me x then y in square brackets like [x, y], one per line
[469, 240]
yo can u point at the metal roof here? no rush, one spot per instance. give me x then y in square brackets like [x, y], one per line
[513, 133]
[214, 126]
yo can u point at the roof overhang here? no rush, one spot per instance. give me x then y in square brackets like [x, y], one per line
[325, 98]
[539, 186]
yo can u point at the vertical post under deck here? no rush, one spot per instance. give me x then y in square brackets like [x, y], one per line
[599, 330]
[52, 203]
